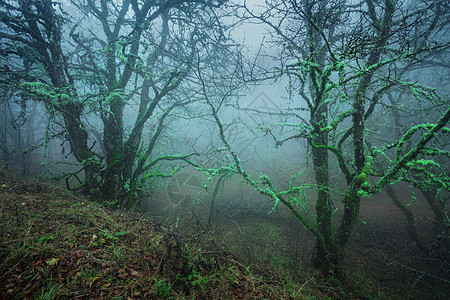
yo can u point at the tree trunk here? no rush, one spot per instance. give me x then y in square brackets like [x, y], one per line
[213, 207]
[323, 257]
[114, 183]
[412, 230]
[441, 226]
[78, 140]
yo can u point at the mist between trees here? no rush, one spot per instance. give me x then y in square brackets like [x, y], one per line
[340, 101]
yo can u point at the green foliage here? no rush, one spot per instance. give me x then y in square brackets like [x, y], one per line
[45, 92]
[50, 291]
[86, 275]
[45, 239]
[366, 170]
[162, 289]
[211, 173]
[111, 203]
[196, 279]
[413, 160]
[362, 177]
[113, 236]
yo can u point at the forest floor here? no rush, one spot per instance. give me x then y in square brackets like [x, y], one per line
[59, 245]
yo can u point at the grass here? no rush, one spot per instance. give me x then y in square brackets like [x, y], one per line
[58, 245]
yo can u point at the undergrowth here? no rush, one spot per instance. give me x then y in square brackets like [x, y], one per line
[59, 245]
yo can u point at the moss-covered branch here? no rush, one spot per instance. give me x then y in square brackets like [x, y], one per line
[401, 163]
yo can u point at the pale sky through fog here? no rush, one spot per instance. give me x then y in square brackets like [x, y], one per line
[251, 34]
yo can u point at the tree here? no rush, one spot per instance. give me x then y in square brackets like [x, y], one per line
[342, 60]
[90, 61]
[18, 131]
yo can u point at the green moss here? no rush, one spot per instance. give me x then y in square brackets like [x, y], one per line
[362, 177]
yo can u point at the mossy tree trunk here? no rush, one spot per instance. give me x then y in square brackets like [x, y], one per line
[338, 73]
[44, 48]
[95, 67]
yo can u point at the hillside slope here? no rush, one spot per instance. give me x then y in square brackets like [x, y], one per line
[55, 244]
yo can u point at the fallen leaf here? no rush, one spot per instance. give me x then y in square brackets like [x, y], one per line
[35, 263]
[95, 279]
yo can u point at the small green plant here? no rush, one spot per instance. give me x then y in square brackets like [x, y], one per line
[45, 239]
[202, 282]
[50, 291]
[119, 253]
[86, 275]
[162, 289]
[113, 236]
[229, 273]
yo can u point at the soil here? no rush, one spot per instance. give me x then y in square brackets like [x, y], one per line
[381, 260]
[263, 252]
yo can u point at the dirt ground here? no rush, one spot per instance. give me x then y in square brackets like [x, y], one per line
[382, 262]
